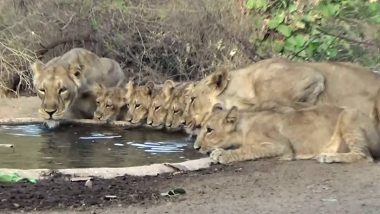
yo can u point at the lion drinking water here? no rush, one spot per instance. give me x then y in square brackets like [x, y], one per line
[323, 132]
[65, 83]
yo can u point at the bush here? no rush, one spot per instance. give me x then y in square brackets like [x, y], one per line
[152, 40]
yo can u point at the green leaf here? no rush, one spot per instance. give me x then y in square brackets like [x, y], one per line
[284, 30]
[332, 52]
[292, 8]
[250, 4]
[257, 4]
[278, 45]
[374, 7]
[276, 20]
[262, 4]
[328, 10]
[375, 19]
[299, 40]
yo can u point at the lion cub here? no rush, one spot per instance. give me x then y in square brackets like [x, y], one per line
[165, 109]
[176, 117]
[160, 105]
[111, 103]
[325, 133]
[139, 101]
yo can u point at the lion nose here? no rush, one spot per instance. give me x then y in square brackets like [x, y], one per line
[50, 112]
[168, 125]
[196, 146]
[149, 122]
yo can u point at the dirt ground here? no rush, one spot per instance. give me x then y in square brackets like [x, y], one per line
[265, 186]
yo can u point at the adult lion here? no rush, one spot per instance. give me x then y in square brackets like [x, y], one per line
[65, 83]
[336, 83]
[323, 132]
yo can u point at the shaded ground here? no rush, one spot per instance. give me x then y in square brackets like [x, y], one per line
[58, 192]
[266, 186]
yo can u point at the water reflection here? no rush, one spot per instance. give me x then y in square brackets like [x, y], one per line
[90, 146]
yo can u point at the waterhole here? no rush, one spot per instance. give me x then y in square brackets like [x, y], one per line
[80, 146]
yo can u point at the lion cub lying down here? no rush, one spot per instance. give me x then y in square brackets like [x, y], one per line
[325, 133]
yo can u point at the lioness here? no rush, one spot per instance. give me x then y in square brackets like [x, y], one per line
[140, 99]
[341, 84]
[111, 103]
[64, 84]
[324, 132]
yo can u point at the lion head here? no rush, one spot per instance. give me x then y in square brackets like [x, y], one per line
[218, 131]
[57, 86]
[176, 118]
[202, 96]
[160, 105]
[111, 103]
[140, 99]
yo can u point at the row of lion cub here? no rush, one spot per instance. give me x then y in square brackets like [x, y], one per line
[326, 111]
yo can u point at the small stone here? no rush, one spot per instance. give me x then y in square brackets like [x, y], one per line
[110, 196]
[16, 205]
[88, 183]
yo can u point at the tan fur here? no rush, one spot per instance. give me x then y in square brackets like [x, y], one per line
[140, 99]
[65, 83]
[341, 84]
[176, 116]
[111, 103]
[323, 132]
[160, 105]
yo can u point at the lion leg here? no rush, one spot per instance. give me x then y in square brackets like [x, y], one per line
[349, 136]
[253, 152]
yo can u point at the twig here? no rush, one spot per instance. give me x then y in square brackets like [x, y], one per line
[68, 23]
[54, 44]
[349, 39]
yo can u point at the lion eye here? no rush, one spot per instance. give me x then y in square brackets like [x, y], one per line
[42, 90]
[138, 105]
[157, 108]
[209, 129]
[62, 90]
[97, 103]
[108, 106]
[176, 111]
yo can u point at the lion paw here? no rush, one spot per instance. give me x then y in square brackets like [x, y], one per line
[217, 156]
[325, 158]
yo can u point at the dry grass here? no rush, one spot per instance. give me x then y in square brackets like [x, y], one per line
[151, 39]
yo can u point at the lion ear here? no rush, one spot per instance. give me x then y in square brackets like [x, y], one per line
[75, 71]
[37, 67]
[218, 80]
[168, 88]
[149, 87]
[217, 108]
[130, 87]
[232, 115]
[188, 89]
[98, 88]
